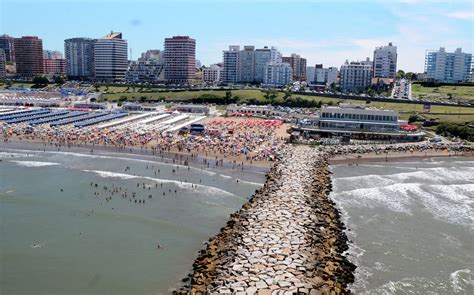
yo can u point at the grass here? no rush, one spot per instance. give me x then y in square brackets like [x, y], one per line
[457, 93]
[25, 85]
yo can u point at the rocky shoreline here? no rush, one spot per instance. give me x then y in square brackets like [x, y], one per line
[288, 239]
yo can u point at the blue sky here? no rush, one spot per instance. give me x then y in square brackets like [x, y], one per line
[323, 31]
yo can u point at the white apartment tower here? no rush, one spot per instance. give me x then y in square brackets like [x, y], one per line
[277, 74]
[385, 61]
[446, 67]
[230, 58]
[79, 54]
[355, 76]
[212, 74]
[110, 58]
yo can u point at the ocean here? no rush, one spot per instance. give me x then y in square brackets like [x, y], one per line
[62, 234]
[411, 225]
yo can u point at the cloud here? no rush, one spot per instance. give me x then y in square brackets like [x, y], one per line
[463, 15]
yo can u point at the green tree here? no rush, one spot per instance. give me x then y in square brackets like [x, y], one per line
[400, 74]
[58, 80]
[142, 99]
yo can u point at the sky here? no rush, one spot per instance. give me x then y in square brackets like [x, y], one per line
[322, 31]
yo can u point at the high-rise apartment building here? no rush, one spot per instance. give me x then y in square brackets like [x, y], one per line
[7, 43]
[298, 64]
[310, 75]
[110, 58]
[3, 70]
[262, 57]
[54, 66]
[212, 74]
[446, 67]
[385, 61]
[29, 56]
[230, 64]
[355, 76]
[277, 74]
[79, 54]
[180, 60]
[246, 65]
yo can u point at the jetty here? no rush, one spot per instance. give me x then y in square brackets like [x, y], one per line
[288, 239]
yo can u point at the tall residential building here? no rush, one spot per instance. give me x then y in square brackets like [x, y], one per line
[230, 62]
[298, 64]
[246, 65]
[355, 76]
[446, 67]
[262, 57]
[180, 60]
[29, 56]
[3, 70]
[54, 66]
[148, 68]
[325, 76]
[7, 43]
[212, 74]
[385, 61]
[110, 58]
[277, 74]
[79, 54]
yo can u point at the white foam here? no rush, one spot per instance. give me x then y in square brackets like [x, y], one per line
[4, 155]
[186, 185]
[461, 280]
[34, 163]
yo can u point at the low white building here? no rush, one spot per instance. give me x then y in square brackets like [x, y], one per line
[277, 74]
[212, 74]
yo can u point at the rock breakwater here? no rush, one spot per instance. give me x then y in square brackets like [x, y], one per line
[288, 239]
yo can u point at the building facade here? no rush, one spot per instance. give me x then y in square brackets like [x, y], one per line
[110, 58]
[325, 76]
[355, 76]
[54, 67]
[230, 64]
[277, 74]
[212, 74]
[52, 54]
[385, 62]
[358, 118]
[3, 61]
[7, 43]
[152, 54]
[298, 65]
[246, 65]
[262, 57]
[79, 53]
[446, 67]
[29, 56]
[145, 71]
[180, 60]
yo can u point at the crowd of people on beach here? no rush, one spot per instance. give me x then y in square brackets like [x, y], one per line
[242, 139]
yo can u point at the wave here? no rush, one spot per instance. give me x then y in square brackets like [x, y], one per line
[34, 163]
[185, 185]
[461, 280]
[4, 155]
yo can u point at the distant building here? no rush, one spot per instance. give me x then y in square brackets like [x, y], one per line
[7, 43]
[153, 54]
[3, 70]
[385, 62]
[180, 60]
[110, 58]
[262, 57]
[298, 65]
[442, 66]
[212, 74]
[277, 74]
[246, 65]
[29, 56]
[310, 75]
[52, 54]
[230, 64]
[355, 76]
[79, 54]
[54, 67]
[325, 76]
[148, 68]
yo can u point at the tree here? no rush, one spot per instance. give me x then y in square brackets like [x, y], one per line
[142, 99]
[333, 87]
[400, 74]
[228, 95]
[58, 80]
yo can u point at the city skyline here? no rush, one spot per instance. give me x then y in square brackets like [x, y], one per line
[322, 32]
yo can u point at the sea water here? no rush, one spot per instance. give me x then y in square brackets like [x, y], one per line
[60, 235]
[411, 225]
